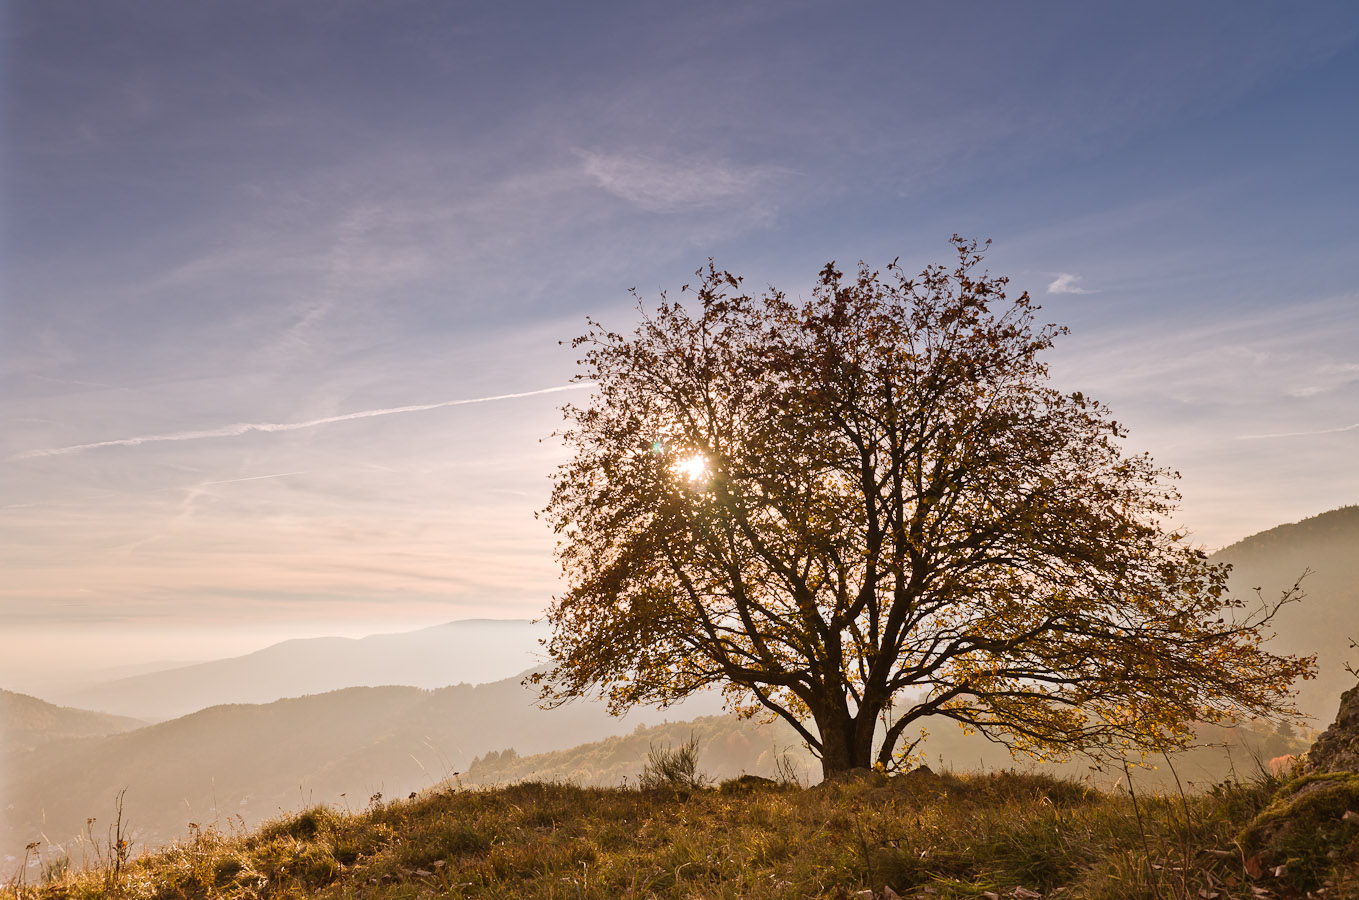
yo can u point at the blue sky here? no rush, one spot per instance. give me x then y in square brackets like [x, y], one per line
[224, 214]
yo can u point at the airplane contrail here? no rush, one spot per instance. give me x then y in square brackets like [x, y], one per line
[1284, 434]
[241, 428]
[250, 478]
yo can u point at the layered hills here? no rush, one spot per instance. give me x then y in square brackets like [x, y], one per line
[239, 764]
[470, 650]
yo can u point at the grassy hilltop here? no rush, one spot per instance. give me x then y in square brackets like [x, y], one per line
[918, 835]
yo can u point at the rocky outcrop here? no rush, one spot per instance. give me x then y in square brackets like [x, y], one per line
[1337, 750]
[1311, 827]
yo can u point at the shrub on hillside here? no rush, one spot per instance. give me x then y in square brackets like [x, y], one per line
[673, 768]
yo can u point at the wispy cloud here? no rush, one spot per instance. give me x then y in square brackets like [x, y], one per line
[675, 185]
[1286, 434]
[241, 428]
[1066, 283]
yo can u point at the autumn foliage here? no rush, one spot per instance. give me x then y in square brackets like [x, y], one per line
[870, 508]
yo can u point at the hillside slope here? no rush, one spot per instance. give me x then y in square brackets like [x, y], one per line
[1323, 623]
[27, 722]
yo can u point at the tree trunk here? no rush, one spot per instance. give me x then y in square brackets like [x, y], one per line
[841, 748]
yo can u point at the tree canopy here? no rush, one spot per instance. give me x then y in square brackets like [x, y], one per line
[867, 508]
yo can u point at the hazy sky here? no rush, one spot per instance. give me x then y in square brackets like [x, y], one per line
[256, 254]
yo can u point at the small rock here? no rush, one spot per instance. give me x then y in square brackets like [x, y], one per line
[747, 783]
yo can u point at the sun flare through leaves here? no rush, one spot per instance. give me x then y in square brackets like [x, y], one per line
[693, 468]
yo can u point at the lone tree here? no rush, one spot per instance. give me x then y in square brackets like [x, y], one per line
[869, 508]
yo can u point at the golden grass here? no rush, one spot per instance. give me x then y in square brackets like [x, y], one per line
[921, 835]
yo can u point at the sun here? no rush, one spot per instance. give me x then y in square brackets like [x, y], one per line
[694, 468]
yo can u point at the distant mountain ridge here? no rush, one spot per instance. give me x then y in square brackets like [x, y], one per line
[473, 651]
[1335, 529]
